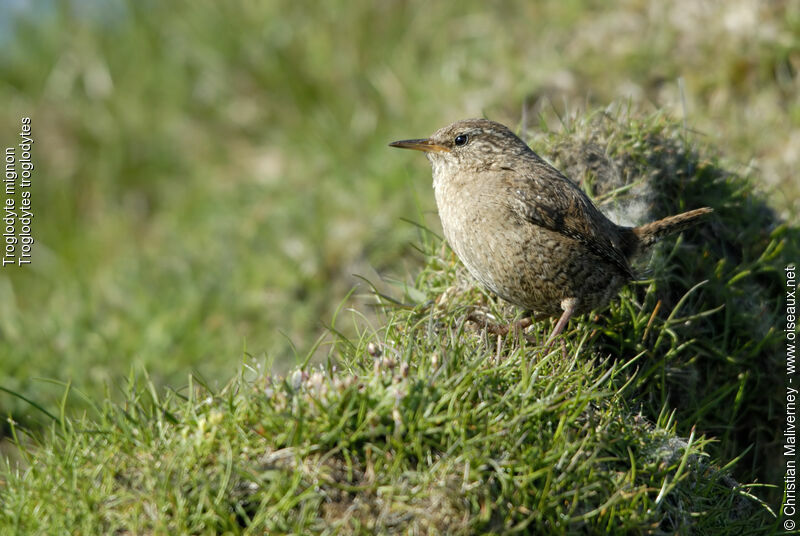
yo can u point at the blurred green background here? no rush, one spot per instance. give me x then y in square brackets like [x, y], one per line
[211, 175]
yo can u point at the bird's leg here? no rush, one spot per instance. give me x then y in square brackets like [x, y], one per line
[568, 305]
[500, 329]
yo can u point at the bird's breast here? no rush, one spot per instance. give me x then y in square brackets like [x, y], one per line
[481, 229]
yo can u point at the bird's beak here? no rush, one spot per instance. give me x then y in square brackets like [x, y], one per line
[425, 145]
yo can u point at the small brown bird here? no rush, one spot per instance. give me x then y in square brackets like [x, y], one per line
[523, 229]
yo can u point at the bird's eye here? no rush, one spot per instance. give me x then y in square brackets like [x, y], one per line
[461, 139]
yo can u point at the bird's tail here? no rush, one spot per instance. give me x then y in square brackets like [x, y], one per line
[650, 233]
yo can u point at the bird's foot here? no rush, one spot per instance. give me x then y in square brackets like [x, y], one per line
[548, 346]
[500, 330]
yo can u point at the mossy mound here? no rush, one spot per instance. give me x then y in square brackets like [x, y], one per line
[719, 359]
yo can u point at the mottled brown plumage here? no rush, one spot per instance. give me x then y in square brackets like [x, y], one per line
[524, 230]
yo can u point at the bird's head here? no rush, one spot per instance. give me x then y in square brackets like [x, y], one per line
[469, 144]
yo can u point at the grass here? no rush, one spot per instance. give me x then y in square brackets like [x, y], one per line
[421, 423]
[463, 444]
